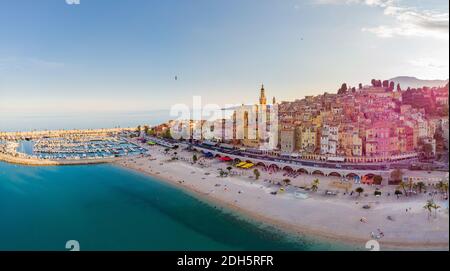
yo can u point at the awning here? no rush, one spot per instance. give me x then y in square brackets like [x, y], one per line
[226, 159]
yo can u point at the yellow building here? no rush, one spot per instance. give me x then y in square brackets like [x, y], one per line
[317, 121]
[307, 138]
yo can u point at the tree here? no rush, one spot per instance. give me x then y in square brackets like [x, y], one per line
[428, 206]
[167, 134]
[256, 173]
[286, 181]
[194, 158]
[398, 193]
[315, 185]
[353, 89]
[391, 86]
[403, 186]
[166, 150]
[138, 129]
[146, 129]
[359, 190]
[445, 189]
[222, 173]
[442, 187]
[386, 84]
[420, 186]
[343, 89]
[360, 86]
[398, 87]
[229, 169]
[377, 192]
[151, 132]
[435, 207]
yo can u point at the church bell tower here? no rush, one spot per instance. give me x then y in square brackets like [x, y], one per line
[262, 96]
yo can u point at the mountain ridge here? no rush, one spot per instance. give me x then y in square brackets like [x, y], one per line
[414, 82]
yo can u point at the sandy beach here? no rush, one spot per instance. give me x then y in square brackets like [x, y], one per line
[397, 223]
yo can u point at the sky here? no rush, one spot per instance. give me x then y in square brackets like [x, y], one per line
[104, 55]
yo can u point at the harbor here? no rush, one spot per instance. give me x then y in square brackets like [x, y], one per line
[80, 147]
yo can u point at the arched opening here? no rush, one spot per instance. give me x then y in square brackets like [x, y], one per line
[302, 170]
[261, 164]
[288, 168]
[377, 179]
[274, 166]
[368, 178]
[318, 172]
[351, 175]
[334, 174]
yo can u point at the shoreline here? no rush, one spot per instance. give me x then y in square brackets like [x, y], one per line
[281, 225]
[322, 217]
[315, 217]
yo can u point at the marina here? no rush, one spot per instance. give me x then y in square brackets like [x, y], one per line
[68, 148]
[97, 147]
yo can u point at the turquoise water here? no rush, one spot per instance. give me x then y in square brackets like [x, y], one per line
[109, 208]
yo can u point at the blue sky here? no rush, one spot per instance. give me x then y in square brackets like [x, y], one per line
[123, 55]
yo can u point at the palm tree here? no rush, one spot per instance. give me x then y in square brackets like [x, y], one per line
[315, 185]
[403, 185]
[410, 185]
[435, 207]
[398, 193]
[445, 188]
[146, 129]
[420, 186]
[222, 173]
[286, 181]
[256, 173]
[428, 206]
[442, 187]
[359, 190]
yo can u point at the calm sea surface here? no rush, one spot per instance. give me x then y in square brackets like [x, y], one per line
[27, 121]
[109, 208]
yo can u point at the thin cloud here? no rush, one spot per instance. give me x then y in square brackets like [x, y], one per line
[13, 63]
[410, 21]
[428, 63]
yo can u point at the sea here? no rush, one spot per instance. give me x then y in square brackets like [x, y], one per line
[106, 207]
